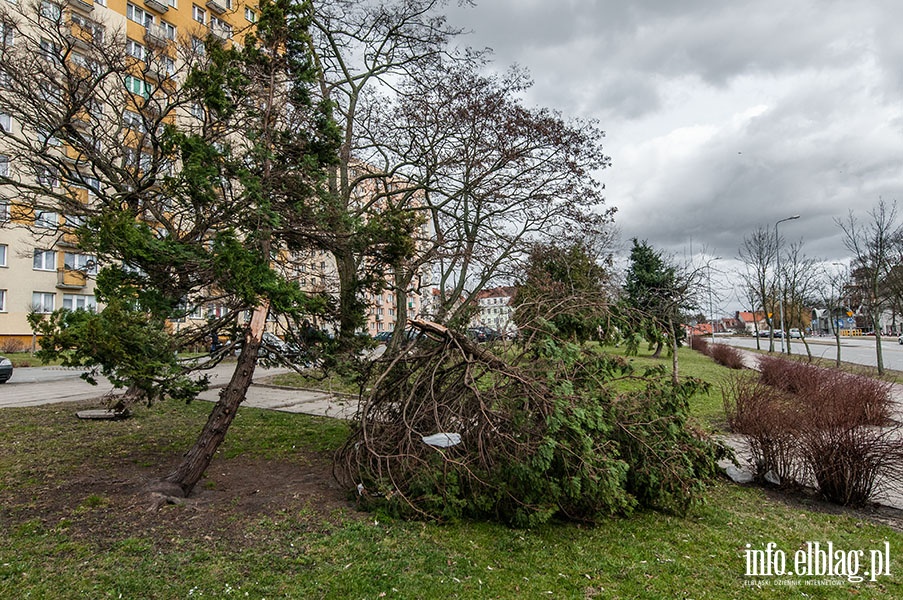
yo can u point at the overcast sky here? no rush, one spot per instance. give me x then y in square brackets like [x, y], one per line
[720, 116]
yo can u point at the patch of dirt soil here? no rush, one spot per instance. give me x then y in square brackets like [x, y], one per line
[111, 504]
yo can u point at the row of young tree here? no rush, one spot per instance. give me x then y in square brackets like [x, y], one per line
[871, 285]
[194, 173]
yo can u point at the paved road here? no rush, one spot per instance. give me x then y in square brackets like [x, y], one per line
[854, 350]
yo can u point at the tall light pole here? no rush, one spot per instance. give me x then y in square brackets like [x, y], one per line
[777, 245]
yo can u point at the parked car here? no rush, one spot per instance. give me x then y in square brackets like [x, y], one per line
[900, 340]
[795, 333]
[767, 333]
[383, 336]
[6, 369]
[273, 346]
[483, 334]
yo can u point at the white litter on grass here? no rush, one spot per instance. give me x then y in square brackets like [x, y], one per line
[442, 440]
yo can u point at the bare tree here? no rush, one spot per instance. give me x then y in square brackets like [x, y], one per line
[799, 278]
[875, 244]
[831, 289]
[496, 177]
[362, 51]
[757, 253]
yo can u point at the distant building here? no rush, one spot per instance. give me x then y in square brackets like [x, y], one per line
[494, 309]
[753, 321]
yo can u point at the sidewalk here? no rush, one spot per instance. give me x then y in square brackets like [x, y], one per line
[25, 391]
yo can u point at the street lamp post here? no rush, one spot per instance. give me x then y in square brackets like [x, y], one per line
[777, 245]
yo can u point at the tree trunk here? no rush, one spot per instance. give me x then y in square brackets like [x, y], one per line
[674, 364]
[837, 340]
[658, 348]
[198, 458]
[399, 336]
[350, 306]
[879, 353]
[806, 344]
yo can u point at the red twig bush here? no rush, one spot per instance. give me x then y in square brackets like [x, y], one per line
[700, 344]
[833, 427]
[852, 398]
[726, 355]
[768, 420]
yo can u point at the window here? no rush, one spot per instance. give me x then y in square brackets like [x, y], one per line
[92, 28]
[138, 15]
[3, 255]
[80, 262]
[2, 300]
[79, 302]
[168, 29]
[4, 210]
[51, 11]
[89, 65]
[197, 46]
[93, 186]
[139, 87]
[48, 138]
[250, 15]
[50, 50]
[169, 65]
[46, 219]
[197, 111]
[44, 260]
[199, 14]
[7, 35]
[135, 50]
[4, 165]
[133, 120]
[47, 177]
[42, 302]
[50, 93]
[74, 221]
[6, 122]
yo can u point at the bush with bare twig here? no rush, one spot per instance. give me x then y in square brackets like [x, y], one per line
[768, 419]
[700, 344]
[821, 426]
[852, 398]
[726, 355]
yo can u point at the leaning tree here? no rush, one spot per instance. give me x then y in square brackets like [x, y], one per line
[191, 171]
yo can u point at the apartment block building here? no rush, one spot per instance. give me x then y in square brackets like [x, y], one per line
[41, 269]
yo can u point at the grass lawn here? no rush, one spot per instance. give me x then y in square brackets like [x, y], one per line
[268, 522]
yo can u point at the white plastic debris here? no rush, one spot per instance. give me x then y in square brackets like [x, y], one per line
[442, 440]
[360, 489]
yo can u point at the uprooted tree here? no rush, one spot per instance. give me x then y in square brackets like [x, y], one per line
[451, 430]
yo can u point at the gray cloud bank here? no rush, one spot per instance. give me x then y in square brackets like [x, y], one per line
[720, 116]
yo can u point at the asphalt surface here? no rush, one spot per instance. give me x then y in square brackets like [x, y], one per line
[858, 350]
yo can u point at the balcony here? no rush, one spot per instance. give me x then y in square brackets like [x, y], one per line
[156, 36]
[220, 32]
[156, 5]
[71, 279]
[82, 6]
[219, 6]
